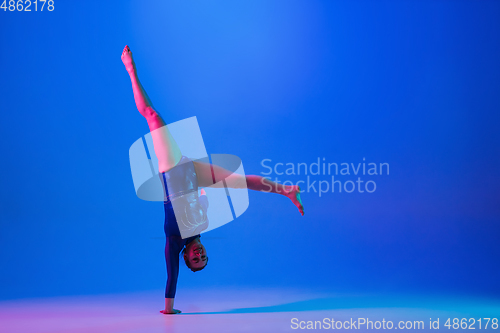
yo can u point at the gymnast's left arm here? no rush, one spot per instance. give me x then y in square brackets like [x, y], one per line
[172, 251]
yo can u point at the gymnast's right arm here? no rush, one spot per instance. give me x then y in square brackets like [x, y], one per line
[172, 250]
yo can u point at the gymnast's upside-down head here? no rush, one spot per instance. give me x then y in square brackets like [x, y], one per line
[195, 255]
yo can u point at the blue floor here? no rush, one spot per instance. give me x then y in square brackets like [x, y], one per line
[245, 310]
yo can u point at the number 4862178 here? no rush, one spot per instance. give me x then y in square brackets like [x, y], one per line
[27, 5]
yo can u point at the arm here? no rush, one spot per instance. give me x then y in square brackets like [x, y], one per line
[172, 251]
[169, 307]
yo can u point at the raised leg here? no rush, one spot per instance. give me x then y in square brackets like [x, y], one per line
[205, 174]
[166, 149]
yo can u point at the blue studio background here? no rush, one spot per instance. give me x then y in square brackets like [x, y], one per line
[414, 84]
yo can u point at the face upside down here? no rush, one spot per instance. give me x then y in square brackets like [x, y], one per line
[195, 255]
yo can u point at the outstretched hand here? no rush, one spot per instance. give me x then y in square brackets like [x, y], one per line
[174, 311]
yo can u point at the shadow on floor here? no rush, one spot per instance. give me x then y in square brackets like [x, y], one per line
[362, 302]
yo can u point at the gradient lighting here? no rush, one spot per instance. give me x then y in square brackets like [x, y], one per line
[413, 84]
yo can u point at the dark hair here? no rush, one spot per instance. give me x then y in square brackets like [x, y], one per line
[188, 264]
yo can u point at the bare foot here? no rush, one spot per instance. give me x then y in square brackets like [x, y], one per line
[293, 192]
[127, 59]
[175, 311]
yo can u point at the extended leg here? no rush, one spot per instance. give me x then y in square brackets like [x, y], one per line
[166, 149]
[205, 173]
